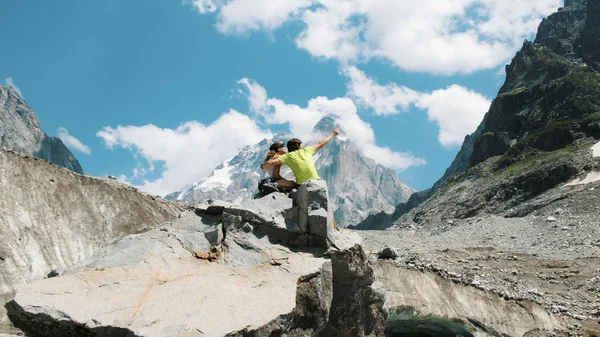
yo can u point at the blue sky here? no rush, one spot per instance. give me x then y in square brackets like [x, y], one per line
[160, 92]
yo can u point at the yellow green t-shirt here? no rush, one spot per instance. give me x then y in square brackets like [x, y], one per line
[301, 163]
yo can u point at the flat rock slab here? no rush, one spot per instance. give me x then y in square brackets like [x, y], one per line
[158, 284]
[179, 296]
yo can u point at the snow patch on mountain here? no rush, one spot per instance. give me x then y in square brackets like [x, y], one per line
[220, 178]
[596, 150]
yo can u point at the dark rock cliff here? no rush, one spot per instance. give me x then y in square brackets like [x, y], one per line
[20, 131]
[539, 128]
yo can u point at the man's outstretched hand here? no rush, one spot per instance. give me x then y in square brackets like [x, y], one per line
[326, 140]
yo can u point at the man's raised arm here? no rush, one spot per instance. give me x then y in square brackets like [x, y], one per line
[326, 140]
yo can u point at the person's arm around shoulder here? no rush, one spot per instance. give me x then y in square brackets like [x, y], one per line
[326, 140]
[275, 161]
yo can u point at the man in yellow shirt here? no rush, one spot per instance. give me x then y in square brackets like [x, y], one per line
[299, 158]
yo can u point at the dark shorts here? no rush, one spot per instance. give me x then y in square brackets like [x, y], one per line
[268, 185]
[267, 180]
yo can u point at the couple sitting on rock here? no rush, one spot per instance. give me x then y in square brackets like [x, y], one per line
[298, 158]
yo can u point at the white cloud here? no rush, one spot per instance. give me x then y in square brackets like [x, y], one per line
[204, 6]
[328, 33]
[275, 111]
[302, 120]
[457, 110]
[239, 16]
[189, 152]
[384, 100]
[256, 94]
[9, 81]
[443, 37]
[72, 142]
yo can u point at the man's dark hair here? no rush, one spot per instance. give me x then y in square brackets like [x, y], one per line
[293, 144]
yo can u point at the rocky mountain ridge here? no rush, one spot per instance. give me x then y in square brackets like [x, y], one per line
[358, 185]
[538, 131]
[20, 131]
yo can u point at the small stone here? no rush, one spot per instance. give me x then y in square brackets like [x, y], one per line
[450, 222]
[550, 219]
[535, 292]
[388, 253]
[559, 211]
[560, 308]
[514, 272]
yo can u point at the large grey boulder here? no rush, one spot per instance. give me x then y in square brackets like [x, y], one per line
[353, 277]
[314, 208]
[275, 209]
[160, 283]
[341, 299]
[305, 220]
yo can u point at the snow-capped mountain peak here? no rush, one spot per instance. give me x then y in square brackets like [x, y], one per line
[357, 185]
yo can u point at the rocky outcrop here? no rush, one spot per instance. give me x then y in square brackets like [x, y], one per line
[357, 307]
[51, 218]
[371, 190]
[223, 269]
[20, 131]
[551, 96]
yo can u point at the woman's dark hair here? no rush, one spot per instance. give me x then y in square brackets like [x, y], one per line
[273, 150]
[276, 146]
[293, 144]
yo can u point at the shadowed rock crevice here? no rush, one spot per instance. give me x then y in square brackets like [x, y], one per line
[402, 322]
[43, 325]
